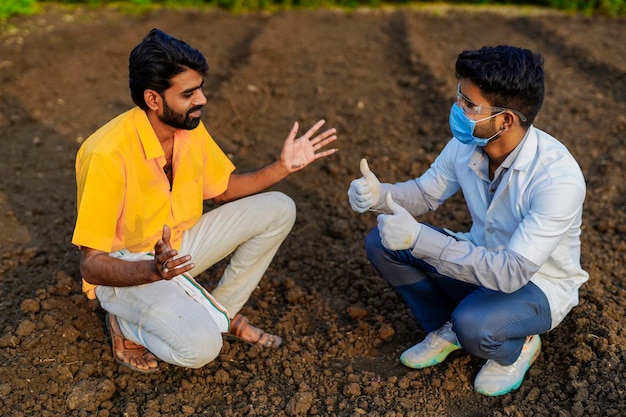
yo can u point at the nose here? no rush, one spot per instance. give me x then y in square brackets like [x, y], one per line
[199, 98]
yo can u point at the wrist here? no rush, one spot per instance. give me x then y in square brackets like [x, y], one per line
[282, 169]
[417, 228]
[381, 204]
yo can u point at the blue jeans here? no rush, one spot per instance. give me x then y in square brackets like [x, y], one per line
[488, 324]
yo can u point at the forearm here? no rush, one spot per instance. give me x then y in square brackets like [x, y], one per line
[503, 270]
[243, 185]
[408, 194]
[99, 268]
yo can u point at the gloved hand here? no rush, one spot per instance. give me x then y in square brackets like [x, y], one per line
[365, 191]
[399, 230]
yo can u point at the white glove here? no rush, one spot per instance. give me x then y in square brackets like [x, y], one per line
[365, 191]
[398, 231]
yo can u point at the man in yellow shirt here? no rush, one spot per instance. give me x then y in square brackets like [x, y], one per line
[142, 234]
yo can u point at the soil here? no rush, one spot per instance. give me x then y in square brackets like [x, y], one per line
[385, 79]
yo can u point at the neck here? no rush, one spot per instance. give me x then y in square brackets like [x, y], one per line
[164, 132]
[499, 149]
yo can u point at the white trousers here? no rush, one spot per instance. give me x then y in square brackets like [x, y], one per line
[177, 320]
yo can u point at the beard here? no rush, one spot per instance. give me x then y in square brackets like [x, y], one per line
[489, 131]
[179, 120]
[483, 132]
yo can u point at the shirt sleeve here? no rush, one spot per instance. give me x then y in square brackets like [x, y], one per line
[439, 179]
[477, 265]
[218, 168]
[100, 198]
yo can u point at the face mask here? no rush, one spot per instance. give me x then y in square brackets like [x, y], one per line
[463, 127]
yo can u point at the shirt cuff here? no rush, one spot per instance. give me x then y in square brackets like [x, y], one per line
[430, 243]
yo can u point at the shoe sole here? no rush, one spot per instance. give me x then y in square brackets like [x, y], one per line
[533, 358]
[436, 360]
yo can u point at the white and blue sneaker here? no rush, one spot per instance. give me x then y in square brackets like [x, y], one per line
[431, 351]
[494, 379]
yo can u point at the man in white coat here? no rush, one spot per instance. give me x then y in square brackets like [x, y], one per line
[516, 273]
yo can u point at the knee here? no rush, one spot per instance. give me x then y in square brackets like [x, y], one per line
[200, 350]
[474, 334]
[286, 202]
[283, 206]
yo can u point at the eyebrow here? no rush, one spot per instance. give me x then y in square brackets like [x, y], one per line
[189, 90]
[458, 90]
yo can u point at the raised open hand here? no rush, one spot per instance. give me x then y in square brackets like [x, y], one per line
[298, 153]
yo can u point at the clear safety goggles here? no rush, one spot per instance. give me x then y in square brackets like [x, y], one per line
[470, 108]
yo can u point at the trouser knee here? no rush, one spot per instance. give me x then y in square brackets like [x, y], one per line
[284, 206]
[200, 352]
[474, 335]
[470, 339]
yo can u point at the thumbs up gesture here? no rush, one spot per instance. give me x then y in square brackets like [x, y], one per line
[365, 191]
[399, 230]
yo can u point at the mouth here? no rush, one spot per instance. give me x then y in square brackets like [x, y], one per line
[195, 112]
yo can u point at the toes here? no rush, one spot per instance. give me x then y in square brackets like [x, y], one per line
[151, 360]
[270, 341]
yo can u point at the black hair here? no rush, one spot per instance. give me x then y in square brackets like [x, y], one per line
[156, 60]
[507, 76]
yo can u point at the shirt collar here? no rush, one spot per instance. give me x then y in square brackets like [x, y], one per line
[512, 157]
[518, 159]
[151, 146]
[527, 150]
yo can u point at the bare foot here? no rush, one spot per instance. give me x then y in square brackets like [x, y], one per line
[241, 329]
[129, 353]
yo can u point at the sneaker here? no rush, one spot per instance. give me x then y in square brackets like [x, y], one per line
[495, 379]
[435, 347]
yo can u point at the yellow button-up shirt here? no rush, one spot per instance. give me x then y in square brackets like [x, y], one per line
[123, 195]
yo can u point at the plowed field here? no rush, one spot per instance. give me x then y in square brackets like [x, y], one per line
[385, 79]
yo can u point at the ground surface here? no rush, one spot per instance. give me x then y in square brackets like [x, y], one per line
[385, 80]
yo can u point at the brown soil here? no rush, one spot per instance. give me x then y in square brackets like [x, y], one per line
[385, 79]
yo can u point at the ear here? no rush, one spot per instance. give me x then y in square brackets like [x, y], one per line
[509, 120]
[153, 99]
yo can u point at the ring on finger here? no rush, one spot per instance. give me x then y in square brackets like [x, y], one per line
[164, 267]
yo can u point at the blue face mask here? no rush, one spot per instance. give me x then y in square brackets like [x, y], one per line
[463, 127]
